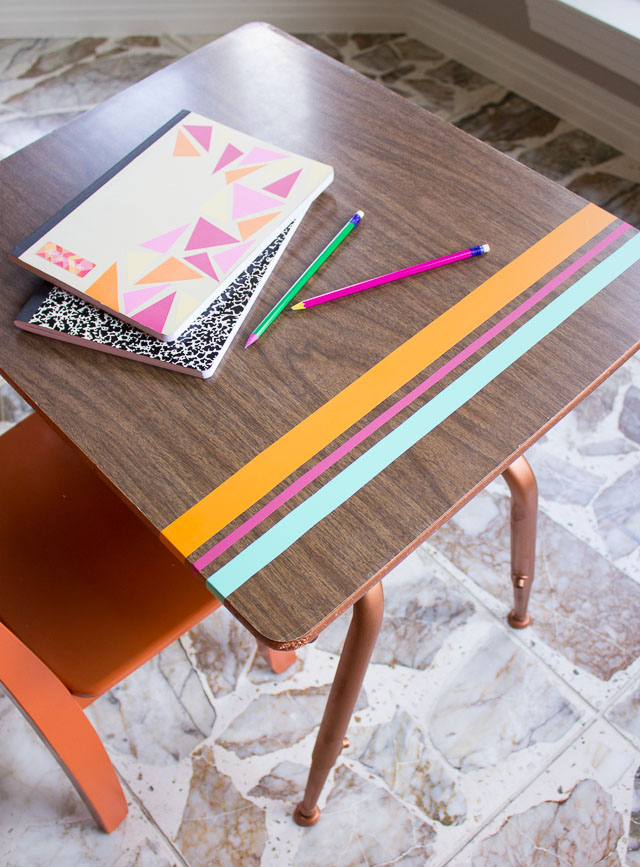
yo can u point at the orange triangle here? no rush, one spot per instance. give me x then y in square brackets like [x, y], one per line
[169, 271]
[233, 174]
[183, 147]
[250, 227]
[105, 288]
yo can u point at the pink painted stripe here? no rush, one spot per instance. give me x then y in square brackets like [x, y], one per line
[299, 484]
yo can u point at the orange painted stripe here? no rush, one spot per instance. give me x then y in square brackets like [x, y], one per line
[268, 468]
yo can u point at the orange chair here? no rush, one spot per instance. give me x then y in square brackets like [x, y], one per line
[87, 595]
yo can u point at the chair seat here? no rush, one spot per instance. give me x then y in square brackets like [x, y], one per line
[83, 582]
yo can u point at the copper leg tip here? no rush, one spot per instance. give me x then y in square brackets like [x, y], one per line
[514, 623]
[303, 819]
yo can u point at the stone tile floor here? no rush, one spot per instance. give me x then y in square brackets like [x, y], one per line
[472, 744]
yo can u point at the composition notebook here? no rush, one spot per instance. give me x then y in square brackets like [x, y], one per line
[199, 349]
[167, 229]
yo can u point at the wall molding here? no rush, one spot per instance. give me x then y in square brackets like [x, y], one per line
[37, 18]
[592, 108]
[608, 33]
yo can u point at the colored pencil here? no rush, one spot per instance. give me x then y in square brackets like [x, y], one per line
[394, 275]
[300, 282]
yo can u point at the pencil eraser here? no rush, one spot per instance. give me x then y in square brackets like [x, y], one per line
[360, 214]
[485, 248]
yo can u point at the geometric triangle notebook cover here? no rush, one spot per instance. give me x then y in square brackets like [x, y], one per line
[161, 234]
[197, 351]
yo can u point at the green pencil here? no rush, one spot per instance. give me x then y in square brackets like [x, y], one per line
[297, 286]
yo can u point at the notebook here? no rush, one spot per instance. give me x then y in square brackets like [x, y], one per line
[199, 349]
[167, 229]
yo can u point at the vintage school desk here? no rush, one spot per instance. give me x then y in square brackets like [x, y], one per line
[197, 459]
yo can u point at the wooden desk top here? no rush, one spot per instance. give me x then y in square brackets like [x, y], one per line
[165, 441]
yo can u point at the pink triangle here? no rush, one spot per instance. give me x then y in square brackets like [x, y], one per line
[284, 185]
[202, 134]
[262, 155]
[156, 315]
[206, 234]
[230, 153]
[228, 259]
[248, 201]
[162, 243]
[139, 296]
[202, 261]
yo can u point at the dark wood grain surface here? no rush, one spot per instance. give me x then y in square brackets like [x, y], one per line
[166, 440]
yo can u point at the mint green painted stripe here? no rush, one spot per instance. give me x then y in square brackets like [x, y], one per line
[335, 492]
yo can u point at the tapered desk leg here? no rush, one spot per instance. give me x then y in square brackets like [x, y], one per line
[524, 513]
[356, 653]
[279, 660]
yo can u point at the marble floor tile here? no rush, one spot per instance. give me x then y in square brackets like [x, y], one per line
[157, 715]
[422, 609]
[576, 813]
[582, 605]
[400, 754]
[596, 443]
[43, 822]
[472, 744]
[434, 749]
[353, 833]
[218, 825]
[498, 703]
[624, 714]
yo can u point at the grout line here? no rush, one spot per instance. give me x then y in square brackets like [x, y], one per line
[531, 781]
[633, 680]
[597, 715]
[449, 567]
[147, 815]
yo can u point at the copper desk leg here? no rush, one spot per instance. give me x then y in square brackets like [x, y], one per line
[524, 512]
[279, 660]
[357, 650]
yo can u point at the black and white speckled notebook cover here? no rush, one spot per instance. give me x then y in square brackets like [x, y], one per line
[198, 351]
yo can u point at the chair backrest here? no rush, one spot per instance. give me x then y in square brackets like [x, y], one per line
[83, 582]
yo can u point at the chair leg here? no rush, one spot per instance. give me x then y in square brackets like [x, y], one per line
[356, 653]
[62, 726]
[524, 513]
[279, 660]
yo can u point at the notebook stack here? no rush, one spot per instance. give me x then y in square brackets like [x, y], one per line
[162, 257]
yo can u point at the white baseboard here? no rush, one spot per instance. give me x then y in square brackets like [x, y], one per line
[592, 108]
[37, 18]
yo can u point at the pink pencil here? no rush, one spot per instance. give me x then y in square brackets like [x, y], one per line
[394, 275]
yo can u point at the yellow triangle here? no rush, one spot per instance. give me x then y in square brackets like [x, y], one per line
[183, 306]
[167, 272]
[183, 147]
[105, 288]
[218, 207]
[138, 263]
[250, 227]
[233, 174]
